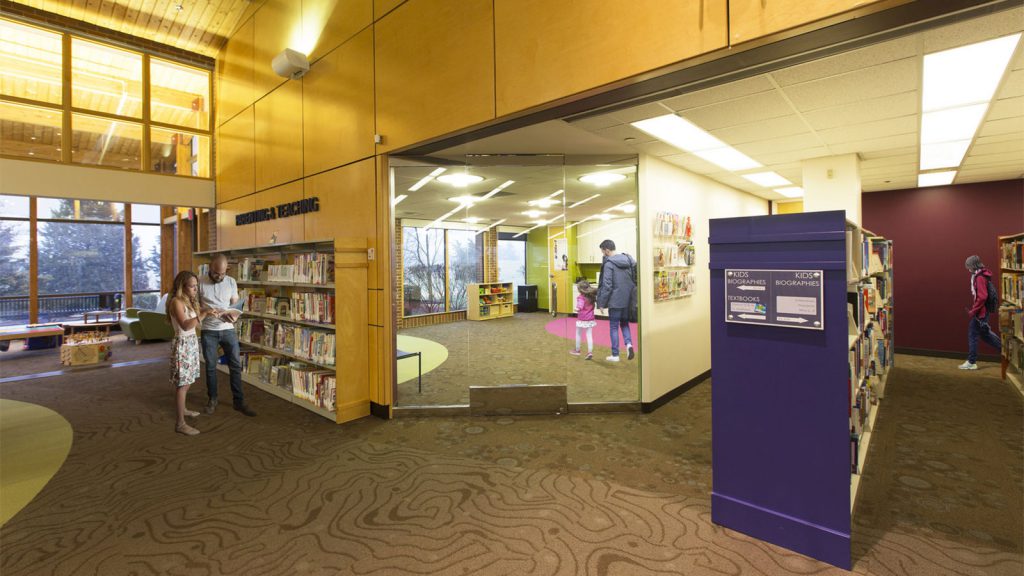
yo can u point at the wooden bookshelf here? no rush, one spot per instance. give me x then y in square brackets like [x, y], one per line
[489, 300]
[314, 264]
[1010, 284]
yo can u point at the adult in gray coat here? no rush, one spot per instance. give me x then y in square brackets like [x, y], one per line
[617, 293]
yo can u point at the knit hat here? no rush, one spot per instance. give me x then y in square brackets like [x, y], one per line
[973, 263]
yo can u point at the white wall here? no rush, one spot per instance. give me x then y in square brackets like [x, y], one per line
[28, 178]
[676, 334]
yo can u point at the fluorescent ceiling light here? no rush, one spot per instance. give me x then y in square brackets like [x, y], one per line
[504, 185]
[729, 159]
[423, 181]
[687, 136]
[617, 206]
[581, 202]
[442, 218]
[628, 208]
[398, 199]
[959, 123]
[965, 75]
[460, 179]
[791, 191]
[533, 213]
[767, 179]
[943, 154]
[555, 193]
[602, 178]
[936, 178]
[491, 226]
[473, 220]
[465, 200]
[605, 216]
[544, 202]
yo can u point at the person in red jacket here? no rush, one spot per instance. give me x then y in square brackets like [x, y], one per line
[978, 326]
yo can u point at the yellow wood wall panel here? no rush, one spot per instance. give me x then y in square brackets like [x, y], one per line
[434, 62]
[278, 25]
[278, 136]
[235, 157]
[231, 236]
[548, 50]
[280, 230]
[382, 7]
[373, 299]
[347, 203]
[329, 23]
[352, 357]
[234, 86]
[339, 87]
[751, 19]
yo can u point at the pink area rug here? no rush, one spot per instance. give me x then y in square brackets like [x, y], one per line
[566, 328]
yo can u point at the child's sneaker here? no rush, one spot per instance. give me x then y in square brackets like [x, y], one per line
[968, 365]
[612, 359]
[589, 356]
[629, 352]
[574, 352]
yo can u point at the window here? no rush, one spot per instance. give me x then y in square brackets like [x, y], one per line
[31, 63]
[179, 95]
[145, 256]
[30, 131]
[423, 265]
[106, 79]
[512, 262]
[14, 264]
[103, 142]
[465, 265]
[173, 152]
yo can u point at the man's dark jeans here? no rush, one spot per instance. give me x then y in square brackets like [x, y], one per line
[227, 339]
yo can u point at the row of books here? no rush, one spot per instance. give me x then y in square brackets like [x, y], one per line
[1011, 322]
[1013, 287]
[304, 381]
[304, 342]
[674, 254]
[306, 306]
[1012, 254]
[672, 224]
[672, 284]
[308, 268]
[251, 269]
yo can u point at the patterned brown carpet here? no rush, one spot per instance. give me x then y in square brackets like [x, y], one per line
[613, 494]
[517, 350]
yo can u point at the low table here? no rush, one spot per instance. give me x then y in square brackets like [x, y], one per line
[402, 354]
[97, 316]
[26, 331]
[83, 325]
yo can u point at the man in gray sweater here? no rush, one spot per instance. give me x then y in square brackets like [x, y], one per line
[617, 293]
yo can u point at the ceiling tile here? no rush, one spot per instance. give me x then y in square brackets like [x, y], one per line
[797, 155]
[744, 110]
[877, 154]
[1013, 156]
[775, 127]
[623, 131]
[692, 163]
[1013, 125]
[716, 94]
[973, 30]
[890, 160]
[848, 61]
[864, 146]
[1013, 145]
[870, 130]
[775, 145]
[865, 111]
[896, 184]
[1006, 108]
[874, 82]
[988, 176]
[1012, 86]
[641, 112]
[595, 123]
[657, 148]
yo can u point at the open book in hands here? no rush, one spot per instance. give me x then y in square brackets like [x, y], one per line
[231, 313]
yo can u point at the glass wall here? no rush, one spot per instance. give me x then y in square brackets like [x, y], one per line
[14, 264]
[106, 109]
[145, 226]
[438, 264]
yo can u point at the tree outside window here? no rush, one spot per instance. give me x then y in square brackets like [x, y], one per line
[431, 278]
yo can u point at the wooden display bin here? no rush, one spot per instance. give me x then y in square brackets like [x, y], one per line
[85, 348]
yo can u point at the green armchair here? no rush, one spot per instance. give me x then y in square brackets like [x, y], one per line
[141, 325]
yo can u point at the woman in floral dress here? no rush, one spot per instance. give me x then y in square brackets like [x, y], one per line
[185, 314]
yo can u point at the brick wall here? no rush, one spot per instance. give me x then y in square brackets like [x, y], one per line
[490, 239]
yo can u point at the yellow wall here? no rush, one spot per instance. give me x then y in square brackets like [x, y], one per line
[416, 70]
[789, 207]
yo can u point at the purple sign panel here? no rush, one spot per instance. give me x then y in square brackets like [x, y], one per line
[786, 298]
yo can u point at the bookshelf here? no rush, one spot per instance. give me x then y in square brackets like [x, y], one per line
[794, 408]
[489, 300]
[1011, 316]
[287, 329]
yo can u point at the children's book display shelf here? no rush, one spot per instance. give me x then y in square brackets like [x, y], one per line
[286, 330]
[490, 300]
[801, 343]
[1011, 307]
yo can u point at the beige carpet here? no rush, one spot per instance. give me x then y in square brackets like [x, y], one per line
[617, 494]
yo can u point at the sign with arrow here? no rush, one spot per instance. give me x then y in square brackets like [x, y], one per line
[786, 298]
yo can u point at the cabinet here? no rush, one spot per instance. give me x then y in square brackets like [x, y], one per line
[590, 234]
[287, 327]
[1011, 302]
[793, 407]
[490, 300]
[751, 19]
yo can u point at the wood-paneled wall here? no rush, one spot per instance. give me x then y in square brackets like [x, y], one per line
[415, 70]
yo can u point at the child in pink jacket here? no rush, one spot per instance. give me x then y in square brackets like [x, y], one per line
[585, 317]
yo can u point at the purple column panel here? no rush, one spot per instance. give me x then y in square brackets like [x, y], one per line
[780, 408]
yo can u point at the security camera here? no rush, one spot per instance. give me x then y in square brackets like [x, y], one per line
[290, 64]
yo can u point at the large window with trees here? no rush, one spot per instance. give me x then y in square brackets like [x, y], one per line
[512, 260]
[14, 264]
[145, 226]
[438, 264]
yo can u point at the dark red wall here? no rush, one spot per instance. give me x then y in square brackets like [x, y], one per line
[934, 230]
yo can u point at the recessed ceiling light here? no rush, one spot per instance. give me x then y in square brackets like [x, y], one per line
[628, 208]
[952, 124]
[767, 179]
[605, 216]
[791, 191]
[936, 178]
[460, 179]
[602, 178]
[943, 154]
[687, 136]
[965, 75]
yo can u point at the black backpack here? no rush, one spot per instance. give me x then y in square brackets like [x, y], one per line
[992, 301]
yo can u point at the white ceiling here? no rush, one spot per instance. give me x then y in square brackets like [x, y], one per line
[866, 101]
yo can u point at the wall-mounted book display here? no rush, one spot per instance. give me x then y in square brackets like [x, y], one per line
[674, 256]
[793, 410]
[1011, 307]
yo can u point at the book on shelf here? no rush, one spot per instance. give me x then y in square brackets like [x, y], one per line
[251, 269]
[1012, 253]
[312, 307]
